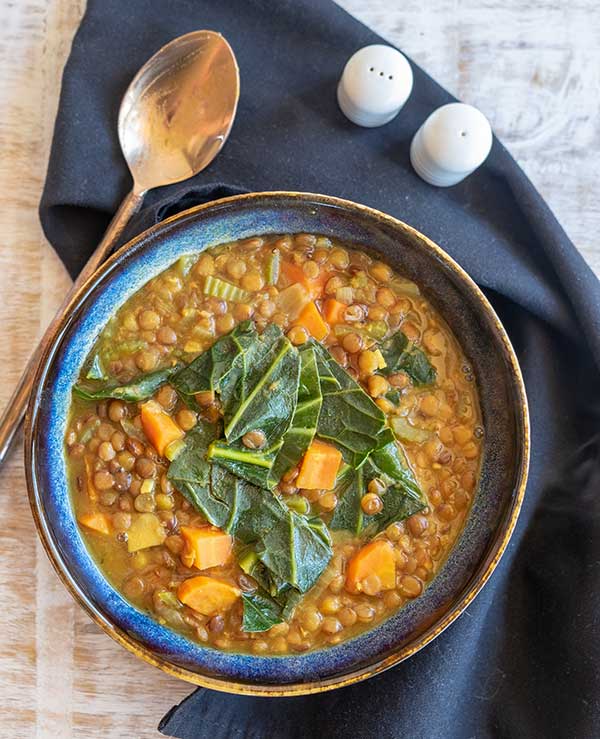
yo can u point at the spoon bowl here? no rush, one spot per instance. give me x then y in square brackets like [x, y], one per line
[174, 118]
[179, 109]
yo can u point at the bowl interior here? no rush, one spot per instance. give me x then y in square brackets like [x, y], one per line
[496, 503]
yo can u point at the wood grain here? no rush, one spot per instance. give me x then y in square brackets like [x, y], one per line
[533, 68]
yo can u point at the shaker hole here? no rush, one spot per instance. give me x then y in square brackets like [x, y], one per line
[381, 74]
[391, 77]
[463, 134]
[371, 69]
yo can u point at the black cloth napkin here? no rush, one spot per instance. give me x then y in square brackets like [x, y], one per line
[524, 659]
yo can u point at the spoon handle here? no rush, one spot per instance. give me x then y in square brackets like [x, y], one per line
[17, 405]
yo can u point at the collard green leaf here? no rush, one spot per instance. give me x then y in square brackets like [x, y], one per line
[402, 356]
[348, 418]
[348, 514]
[295, 551]
[266, 512]
[220, 496]
[191, 464]
[252, 465]
[141, 388]
[260, 612]
[301, 432]
[270, 394]
[213, 367]
[401, 499]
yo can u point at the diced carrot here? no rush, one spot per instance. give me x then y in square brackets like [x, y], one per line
[334, 311]
[295, 274]
[96, 521]
[205, 547]
[319, 467]
[312, 321]
[375, 558]
[92, 493]
[208, 595]
[158, 426]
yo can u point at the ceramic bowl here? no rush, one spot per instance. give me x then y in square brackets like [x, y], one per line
[495, 507]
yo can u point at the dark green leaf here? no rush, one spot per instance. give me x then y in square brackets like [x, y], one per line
[348, 418]
[393, 351]
[266, 512]
[213, 367]
[261, 612]
[141, 388]
[270, 395]
[348, 514]
[295, 551]
[401, 356]
[293, 597]
[300, 434]
[252, 465]
[401, 499]
[393, 396]
[220, 496]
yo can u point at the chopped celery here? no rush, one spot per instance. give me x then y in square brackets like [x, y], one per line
[405, 432]
[184, 263]
[377, 329]
[272, 271]
[169, 599]
[344, 295]
[131, 429]
[341, 329]
[174, 449]
[247, 560]
[218, 288]
[405, 287]
[298, 503]
[360, 280]
[89, 430]
[130, 346]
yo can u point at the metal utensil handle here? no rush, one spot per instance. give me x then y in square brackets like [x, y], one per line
[15, 411]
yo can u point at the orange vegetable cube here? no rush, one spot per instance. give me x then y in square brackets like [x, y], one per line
[311, 320]
[375, 558]
[208, 595]
[319, 467]
[205, 547]
[334, 311]
[158, 426]
[295, 274]
[96, 522]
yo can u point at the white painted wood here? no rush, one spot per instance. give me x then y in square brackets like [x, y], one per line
[532, 68]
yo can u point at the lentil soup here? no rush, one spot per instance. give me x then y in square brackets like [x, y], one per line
[274, 444]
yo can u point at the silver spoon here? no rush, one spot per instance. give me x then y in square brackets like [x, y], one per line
[174, 118]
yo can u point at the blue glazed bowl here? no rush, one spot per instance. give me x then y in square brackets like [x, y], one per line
[495, 508]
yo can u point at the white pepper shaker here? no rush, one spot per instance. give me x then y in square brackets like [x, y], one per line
[374, 85]
[452, 143]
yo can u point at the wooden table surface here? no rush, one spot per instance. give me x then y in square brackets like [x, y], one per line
[533, 68]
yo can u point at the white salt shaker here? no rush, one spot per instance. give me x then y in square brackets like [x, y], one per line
[375, 84]
[452, 143]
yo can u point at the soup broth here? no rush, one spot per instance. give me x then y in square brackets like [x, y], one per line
[274, 444]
